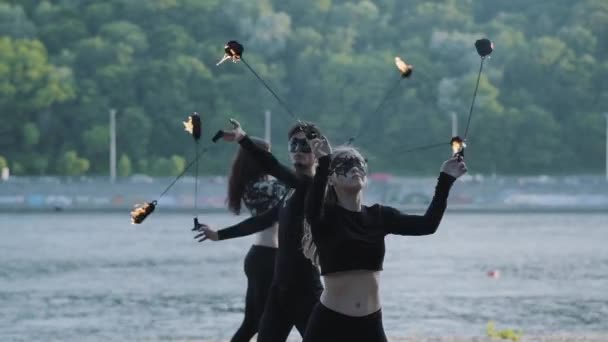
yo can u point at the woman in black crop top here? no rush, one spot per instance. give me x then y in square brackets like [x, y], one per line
[346, 239]
[247, 184]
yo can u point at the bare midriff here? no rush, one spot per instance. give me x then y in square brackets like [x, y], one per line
[268, 237]
[352, 293]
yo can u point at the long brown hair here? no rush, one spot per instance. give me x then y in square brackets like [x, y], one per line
[244, 169]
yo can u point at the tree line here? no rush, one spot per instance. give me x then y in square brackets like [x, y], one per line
[65, 64]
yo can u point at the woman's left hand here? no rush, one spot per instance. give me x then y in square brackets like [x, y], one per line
[236, 134]
[205, 233]
[454, 167]
[320, 147]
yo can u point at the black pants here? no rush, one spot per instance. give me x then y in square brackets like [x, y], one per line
[286, 308]
[259, 268]
[326, 325]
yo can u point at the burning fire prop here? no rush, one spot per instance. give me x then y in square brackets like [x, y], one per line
[404, 68]
[458, 146]
[193, 126]
[232, 51]
[141, 211]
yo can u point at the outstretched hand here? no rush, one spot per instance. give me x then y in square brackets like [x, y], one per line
[320, 146]
[236, 134]
[454, 167]
[205, 233]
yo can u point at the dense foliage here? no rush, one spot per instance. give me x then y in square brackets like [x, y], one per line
[65, 63]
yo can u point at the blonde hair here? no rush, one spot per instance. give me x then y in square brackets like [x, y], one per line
[309, 248]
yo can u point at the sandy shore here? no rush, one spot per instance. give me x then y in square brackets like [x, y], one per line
[524, 338]
[531, 338]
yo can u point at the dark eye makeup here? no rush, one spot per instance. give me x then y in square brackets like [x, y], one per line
[299, 145]
[341, 166]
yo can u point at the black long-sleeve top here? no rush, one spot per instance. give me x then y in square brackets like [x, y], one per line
[262, 198]
[348, 240]
[293, 271]
[251, 225]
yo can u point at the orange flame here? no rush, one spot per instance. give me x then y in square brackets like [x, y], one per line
[141, 211]
[188, 125]
[404, 68]
[458, 145]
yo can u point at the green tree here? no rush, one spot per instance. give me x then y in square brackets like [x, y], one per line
[96, 142]
[29, 82]
[59, 25]
[168, 166]
[15, 23]
[35, 163]
[31, 134]
[3, 163]
[64, 64]
[124, 166]
[17, 169]
[29, 85]
[178, 164]
[71, 165]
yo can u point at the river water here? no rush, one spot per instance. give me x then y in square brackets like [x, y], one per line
[76, 277]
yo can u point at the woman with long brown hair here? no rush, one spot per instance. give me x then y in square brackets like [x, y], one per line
[297, 284]
[249, 185]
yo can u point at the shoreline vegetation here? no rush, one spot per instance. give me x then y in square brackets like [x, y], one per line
[411, 194]
[67, 65]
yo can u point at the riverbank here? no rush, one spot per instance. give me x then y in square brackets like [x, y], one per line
[411, 194]
[531, 338]
[407, 209]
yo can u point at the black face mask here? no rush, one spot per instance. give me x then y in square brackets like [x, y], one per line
[341, 166]
[299, 145]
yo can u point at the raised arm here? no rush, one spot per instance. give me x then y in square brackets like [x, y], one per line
[270, 164]
[394, 222]
[265, 159]
[315, 198]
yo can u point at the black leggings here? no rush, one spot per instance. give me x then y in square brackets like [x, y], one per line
[326, 325]
[259, 268]
[286, 309]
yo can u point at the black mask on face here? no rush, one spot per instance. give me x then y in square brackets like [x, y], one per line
[299, 145]
[341, 166]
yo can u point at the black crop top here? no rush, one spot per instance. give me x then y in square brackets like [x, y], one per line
[348, 240]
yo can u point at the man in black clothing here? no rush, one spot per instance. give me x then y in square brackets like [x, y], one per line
[297, 285]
